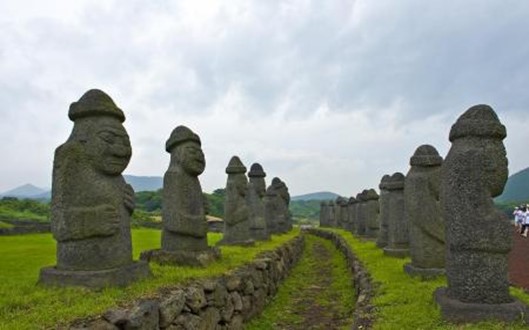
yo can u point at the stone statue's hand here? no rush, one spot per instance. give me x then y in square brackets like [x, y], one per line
[129, 198]
[110, 220]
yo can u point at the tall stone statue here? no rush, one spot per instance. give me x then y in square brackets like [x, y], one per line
[276, 207]
[285, 200]
[236, 212]
[331, 214]
[361, 213]
[339, 211]
[398, 235]
[324, 221]
[372, 210]
[351, 211]
[256, 194]
[478, 236]
[91, 202]
[421, 196]
[383, 215]
[184, 234]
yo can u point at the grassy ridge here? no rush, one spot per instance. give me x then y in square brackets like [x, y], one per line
[403, 302]
[23, 305]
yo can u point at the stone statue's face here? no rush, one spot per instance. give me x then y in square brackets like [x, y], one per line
[496, 168]
[259, 186]
[191, 158]
[241, 184]
[108, 146]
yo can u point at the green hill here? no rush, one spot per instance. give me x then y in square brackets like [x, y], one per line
[517, 188]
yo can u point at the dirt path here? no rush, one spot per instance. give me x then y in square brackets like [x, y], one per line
[519, 262]
[318, 294]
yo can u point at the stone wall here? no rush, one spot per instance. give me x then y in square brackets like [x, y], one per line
[363, 315]
[24, 227]
[224, 302]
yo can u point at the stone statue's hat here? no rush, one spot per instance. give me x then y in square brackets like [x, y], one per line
[256, 171]
[371, 195]
[479, 120]
[341, 200]
[180, 134]
[396, 182]
[276, 181]
[352, 200]
[95, 103]
[235, 166]
[384, 182]
[426, 155]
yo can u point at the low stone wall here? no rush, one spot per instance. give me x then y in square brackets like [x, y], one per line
[25, 227]
[219, 303]
[364, 311]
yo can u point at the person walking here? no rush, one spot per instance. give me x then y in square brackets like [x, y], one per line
[525, 224]
[519, 217]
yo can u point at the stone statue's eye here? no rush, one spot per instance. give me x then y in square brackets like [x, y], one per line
[107, 137]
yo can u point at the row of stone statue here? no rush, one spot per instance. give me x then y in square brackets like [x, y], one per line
[442, 214]
[92, 204]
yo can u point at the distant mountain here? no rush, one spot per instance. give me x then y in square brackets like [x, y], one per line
[144, 183]
[322, 195]
[25, 191]
[517, 188]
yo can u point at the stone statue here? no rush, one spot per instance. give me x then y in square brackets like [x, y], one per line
[256, 193]
[478, 236]
[91, 202]
[331, 214]
[285, 202]
[351, 210]
[398, 236]
[421, 196]
[383, 215]
[372, 210]
[184, 234]
[324, 221]
[339, 201]
[361, 213]
[236, 212]
[276, 207]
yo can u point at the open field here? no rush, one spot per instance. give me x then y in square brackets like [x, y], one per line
[23, 305]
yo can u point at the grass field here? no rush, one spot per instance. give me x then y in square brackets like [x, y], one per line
[23, 305]
[403, 302]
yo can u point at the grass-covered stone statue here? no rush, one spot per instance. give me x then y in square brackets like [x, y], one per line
[184, 233]
[255, 197]
[91, 203]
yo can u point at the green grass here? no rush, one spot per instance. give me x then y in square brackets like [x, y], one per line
[403, 302]
[23, 305]
[296, 298]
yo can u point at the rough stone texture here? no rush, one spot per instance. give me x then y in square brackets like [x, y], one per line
[338, 211]
[331, 214]
[383, 215]
[426, 225]
[478, 236]
[277, 200]
[236, 213]
[353, 203]
[398, 237]
[324, 217]
[256, 193]
[371, 214]
[349, 207]
[361, 219]
[91, 202]
[224, 302]
[184, 234]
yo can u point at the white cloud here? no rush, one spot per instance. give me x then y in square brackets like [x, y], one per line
[326, 95]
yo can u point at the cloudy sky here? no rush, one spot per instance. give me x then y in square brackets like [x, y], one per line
[327, 95]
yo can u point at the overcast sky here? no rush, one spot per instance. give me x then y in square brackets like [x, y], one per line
[327, 95]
